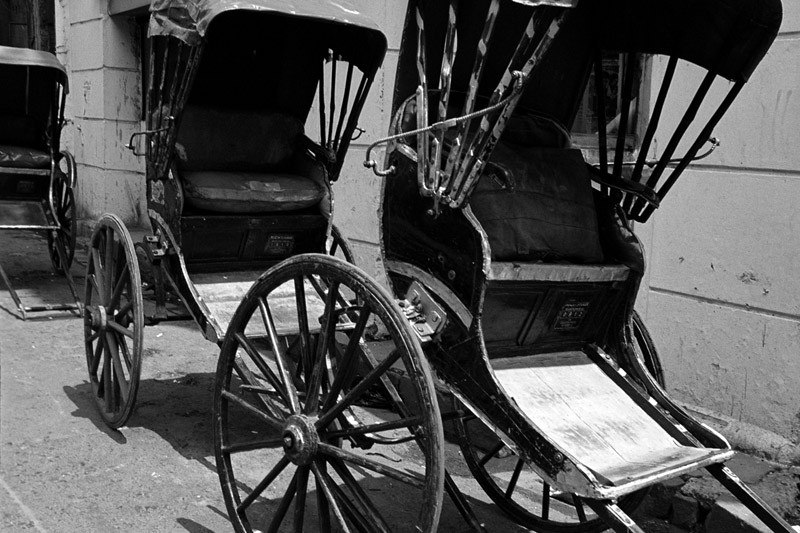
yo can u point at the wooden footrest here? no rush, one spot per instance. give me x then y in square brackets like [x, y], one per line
[576, 406]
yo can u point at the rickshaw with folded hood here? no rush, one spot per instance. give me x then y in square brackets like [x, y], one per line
[513, 263]
[233, 94]
[515, 238]
[37, 178]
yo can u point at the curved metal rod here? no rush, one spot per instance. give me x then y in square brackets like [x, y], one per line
[441, 125]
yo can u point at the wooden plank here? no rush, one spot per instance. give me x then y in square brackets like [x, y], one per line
[557, 272]
[223, 292]
[584, 413]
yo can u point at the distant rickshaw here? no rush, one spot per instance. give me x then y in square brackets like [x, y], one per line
[37, 178]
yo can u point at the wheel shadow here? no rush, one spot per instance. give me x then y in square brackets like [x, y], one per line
[177, 409]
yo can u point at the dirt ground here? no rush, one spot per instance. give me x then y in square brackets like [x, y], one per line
[62, 469]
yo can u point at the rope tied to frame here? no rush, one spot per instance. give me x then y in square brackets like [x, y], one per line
[441, 125]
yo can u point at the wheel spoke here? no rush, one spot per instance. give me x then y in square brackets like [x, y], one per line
[120, 329]
[325, 485]
[576, 501]
[255, 356]
[263, 484]
[286, 501]
[545, 501]
[323, 345]
[252, 446]
[98, 279]
[108, 387]
[122, 280]
[414, 421]
[123, 346]
[98, 352]
[91, 338]
[280, 359]
[117, 364]
[369, 510]
[302, 321]
[514, 478]
[494, 451]
[274, 422]
[125, 309]
[353, 513]
[409, 478]
[110, 264]
[397, 400]
[300, 499]
[95, 285]
[355, 392]
[347, 367]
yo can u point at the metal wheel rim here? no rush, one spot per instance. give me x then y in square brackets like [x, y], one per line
[113, 321]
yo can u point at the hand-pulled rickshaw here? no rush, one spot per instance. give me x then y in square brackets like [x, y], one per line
[36, 177]
[513, 279]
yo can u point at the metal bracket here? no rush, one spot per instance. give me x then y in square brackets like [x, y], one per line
[426, 316]
[147, 133]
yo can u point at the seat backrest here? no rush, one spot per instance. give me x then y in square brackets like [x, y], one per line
[235, 140]
[536, 204]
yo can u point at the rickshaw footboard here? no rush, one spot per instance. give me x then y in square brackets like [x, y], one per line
[596, 423]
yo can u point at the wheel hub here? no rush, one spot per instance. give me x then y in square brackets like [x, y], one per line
[300, 439]
[98, 315]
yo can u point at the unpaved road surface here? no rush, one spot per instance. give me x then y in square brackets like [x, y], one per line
[62, 469]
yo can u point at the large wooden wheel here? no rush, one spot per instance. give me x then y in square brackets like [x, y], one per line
[64, 205]
[519, 492]
[113, 320]
[325, 415]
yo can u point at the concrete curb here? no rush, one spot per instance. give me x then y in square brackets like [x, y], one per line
[747, 437]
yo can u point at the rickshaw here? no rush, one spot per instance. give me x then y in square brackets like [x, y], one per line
[37, 178]
[232, 93]
[514, 271]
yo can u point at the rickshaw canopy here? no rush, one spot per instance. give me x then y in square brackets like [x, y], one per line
[26, 57]
[728, 37]
[189, 20]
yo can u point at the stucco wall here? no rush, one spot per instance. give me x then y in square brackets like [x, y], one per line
[722, 293]
[101, 54]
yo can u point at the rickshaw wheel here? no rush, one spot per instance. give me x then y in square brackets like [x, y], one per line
[338, 246]
[289, 419]
[113, 320]
[514, 487]
[64, 204]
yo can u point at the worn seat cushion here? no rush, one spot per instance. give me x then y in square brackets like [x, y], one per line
[250, 192]
[12, 156]
[536, 204]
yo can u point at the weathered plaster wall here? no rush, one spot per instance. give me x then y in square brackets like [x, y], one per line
[101, 54]
[722, 293]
